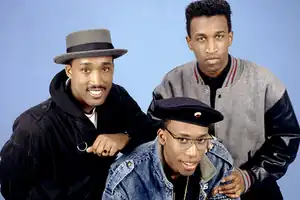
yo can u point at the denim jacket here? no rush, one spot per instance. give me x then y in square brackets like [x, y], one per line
[140, 175]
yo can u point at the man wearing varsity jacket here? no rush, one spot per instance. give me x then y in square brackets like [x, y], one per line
[260, 128]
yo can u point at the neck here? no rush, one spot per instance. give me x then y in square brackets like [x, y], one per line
[88, 109]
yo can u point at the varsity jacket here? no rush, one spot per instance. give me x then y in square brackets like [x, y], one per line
[259, 129]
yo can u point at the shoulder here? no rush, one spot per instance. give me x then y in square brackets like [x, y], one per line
[175, 77]
[119, 98]
[118, 93]
[265, 80]
[219, 154]
[137, 157]
[259, 72]
[222, 163]
[126, 165]
[186, 69]
[32, 117]
[28, 133]
[116, 88]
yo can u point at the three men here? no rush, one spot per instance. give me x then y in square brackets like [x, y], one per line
[183, 162]
[260, 128]
[50, 154]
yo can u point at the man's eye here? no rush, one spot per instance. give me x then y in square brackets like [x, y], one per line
[200, 39]
[201, 140]
[106, 69]
[85, 70]
[183, 140]
[219, 37]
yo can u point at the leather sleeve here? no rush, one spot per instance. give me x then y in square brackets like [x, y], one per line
[271, 161]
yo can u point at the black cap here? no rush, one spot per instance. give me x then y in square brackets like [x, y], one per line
[186, 110]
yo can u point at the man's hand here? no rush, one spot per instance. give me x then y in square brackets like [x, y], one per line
[108, 144]
[234, 188]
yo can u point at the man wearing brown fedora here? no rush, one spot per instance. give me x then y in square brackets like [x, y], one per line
[63, 147]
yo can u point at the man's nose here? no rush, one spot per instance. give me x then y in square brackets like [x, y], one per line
[211, 46]
[96, 78]
[192, 150]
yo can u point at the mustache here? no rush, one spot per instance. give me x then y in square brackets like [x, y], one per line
[96, 87]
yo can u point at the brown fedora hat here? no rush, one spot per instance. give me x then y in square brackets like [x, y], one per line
[89, 43]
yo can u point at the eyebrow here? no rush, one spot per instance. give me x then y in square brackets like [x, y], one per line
[218, 32]
[199, 34]
[106, 63]
[202, 34]
[86, 63]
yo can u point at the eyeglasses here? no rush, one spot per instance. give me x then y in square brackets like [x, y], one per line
[186, 143]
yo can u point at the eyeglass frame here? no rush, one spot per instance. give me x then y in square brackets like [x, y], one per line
[190, 141]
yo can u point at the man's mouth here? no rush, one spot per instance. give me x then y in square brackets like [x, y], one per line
[96, 92]
[189, 166]
[212, 58]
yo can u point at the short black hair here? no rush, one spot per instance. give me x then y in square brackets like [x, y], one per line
[207, 8]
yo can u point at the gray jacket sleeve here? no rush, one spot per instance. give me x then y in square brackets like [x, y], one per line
[282, 135]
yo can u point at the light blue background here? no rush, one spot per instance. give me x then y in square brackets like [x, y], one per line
[33, 32]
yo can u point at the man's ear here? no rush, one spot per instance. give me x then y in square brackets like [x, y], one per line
[161, 136]
[188, 41]
[68, 70]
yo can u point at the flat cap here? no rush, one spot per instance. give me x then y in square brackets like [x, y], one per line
[186, 110]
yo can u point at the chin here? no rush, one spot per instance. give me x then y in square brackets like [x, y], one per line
[96, 102]
[187, 173]
[99, 103]
[214, 72]
[214, 68]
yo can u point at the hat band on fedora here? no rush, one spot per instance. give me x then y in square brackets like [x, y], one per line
[90, 46]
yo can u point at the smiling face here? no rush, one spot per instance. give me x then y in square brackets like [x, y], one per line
[91, 80]
[180, 153]
[209, 40]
